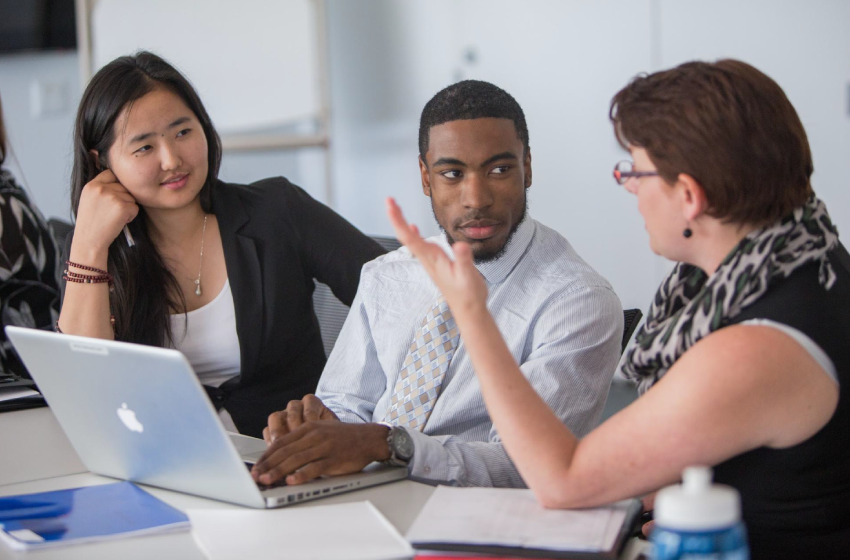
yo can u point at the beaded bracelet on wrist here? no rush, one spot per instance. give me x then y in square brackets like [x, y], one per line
[89, 268]
[101, 278]
[85, 278]
[78, 275]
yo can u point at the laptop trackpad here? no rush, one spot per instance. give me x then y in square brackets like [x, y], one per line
[250, 449]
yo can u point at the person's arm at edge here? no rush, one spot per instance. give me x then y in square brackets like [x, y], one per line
[727, 395]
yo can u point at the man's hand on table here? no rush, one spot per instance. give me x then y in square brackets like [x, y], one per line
[321, 447]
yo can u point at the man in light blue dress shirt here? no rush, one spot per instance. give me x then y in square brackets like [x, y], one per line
[561, 320]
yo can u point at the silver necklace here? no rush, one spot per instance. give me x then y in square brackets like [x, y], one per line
[200, 264]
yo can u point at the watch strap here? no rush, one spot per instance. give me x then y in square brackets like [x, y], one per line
[394, 460]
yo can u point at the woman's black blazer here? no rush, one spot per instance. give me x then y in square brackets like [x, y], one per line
[276, 240]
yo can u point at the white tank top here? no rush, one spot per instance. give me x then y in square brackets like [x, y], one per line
[207, 337]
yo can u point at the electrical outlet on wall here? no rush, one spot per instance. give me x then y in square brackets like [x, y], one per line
[48, 98]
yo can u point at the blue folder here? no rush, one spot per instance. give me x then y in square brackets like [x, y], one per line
[87, 514]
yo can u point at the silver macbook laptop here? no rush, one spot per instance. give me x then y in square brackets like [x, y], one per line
[139, 413]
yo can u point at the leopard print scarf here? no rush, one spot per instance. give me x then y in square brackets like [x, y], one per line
[690, 304]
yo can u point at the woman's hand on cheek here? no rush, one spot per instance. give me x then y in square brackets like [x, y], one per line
[459, 281]
[105, 208]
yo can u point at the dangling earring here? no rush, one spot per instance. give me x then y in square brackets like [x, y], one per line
[687, 233]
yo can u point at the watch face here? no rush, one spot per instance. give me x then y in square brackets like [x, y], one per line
[403, 444]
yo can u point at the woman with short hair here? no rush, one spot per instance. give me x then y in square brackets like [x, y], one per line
[745, 345]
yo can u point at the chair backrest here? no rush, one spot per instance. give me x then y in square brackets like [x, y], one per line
[843, 256]
[61, 229]
[330, 311]
[631, 318]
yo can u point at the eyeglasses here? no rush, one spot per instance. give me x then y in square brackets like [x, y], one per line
[624, 170]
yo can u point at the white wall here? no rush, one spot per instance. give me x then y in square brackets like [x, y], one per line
[270, 80]
[804, 46]
[42, 144]
[564, 71]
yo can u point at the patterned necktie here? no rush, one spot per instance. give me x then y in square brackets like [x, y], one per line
[424, 368]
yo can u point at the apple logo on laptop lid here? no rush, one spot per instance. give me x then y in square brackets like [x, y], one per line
[128, 417]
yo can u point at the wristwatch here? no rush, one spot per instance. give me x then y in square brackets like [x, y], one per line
[400, 444]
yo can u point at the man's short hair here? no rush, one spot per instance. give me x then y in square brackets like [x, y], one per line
[470, 99]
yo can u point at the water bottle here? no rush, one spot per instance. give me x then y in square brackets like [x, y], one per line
[698, 520]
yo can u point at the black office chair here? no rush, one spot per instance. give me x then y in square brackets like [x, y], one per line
[631, 319]
[842, 256]
[330, 311]
[61, 229]
[622, 392]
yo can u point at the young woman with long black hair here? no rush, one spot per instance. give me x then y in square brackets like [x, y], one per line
[222, 272]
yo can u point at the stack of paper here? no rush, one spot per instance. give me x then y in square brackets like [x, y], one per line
[355, 531]
[508, 521]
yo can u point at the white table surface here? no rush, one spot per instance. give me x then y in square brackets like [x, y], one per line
[33, 446]
[35, 456]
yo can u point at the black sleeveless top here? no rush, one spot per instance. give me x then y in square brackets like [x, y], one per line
[796, 501]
